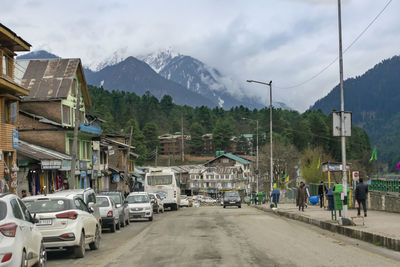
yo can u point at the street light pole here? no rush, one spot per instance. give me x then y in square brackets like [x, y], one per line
[270, 126]
[343, 138]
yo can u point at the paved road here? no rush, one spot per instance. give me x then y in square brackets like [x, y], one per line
[213, 236]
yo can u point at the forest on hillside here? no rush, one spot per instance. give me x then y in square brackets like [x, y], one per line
[305, 137]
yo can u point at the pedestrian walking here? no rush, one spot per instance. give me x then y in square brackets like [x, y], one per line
[275, 196]
[301, 196]
[361, 196]
[322, 190]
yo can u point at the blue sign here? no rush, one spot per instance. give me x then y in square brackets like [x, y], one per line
[15, 138]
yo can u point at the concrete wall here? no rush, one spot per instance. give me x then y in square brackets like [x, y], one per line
[384, 201]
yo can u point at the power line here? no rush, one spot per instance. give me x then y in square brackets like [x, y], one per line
[344, 51]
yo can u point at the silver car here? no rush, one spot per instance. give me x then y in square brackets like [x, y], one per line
[108, 212]
[122, 206]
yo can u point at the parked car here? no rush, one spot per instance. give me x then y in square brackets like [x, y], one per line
[232, 198]
[88, 196]
[139, 206]
[21, 243]
[123, 209]
[184, 201]
[158, 205]
[209, 200]
[65, 222]
[108, 212]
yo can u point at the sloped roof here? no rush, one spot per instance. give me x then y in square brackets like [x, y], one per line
[40, 153]
[231, 156]
[52, 79]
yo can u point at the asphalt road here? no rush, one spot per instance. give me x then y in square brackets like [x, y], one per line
[213, 236]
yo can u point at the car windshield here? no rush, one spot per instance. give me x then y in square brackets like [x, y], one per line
[231, 194]
[137, 199]
[47, 205]
[102, 202]
[3, 210]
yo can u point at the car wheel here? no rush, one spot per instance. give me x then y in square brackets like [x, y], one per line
[224, 206]
[118, 226]
[79, 251]
[240, 207]
[96, 242]
[112, 228]
[42, 257]
[24, 260]
[151, 218]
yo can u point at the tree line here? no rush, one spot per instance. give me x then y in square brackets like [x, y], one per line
[309, 133]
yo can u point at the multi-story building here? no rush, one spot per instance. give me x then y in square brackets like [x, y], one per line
[224, 173]
[171, 144]
[47, 115]
[10, 92]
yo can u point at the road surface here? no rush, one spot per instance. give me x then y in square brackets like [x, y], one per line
[213, 236]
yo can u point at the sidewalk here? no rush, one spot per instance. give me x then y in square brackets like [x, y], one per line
[380, 228]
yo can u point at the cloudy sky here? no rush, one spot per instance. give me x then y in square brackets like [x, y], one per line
[286, 41]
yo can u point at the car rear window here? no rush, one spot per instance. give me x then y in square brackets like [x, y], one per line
[232, 194]
[116, 197]
[3, 210]
[47, 205]
[102, 202]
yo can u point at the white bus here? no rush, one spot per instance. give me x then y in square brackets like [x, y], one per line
[164, 182]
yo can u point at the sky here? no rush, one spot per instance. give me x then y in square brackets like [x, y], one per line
[286, 41]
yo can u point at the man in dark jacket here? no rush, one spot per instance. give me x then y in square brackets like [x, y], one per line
[361, 196]
[322, 190]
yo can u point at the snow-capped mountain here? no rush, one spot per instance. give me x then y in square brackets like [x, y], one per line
[200, 78]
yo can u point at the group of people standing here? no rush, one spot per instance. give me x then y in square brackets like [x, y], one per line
[360, 196]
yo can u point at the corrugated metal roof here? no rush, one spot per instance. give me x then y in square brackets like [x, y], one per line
[51, 78]
[231, 156]
[40, 153]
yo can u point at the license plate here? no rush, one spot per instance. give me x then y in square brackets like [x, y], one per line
[232, 202]
[44, 222]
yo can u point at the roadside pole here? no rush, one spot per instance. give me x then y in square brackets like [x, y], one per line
[342, 122]
[126, 178]
[75, 141]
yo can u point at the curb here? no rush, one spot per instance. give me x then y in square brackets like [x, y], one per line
[376, 239]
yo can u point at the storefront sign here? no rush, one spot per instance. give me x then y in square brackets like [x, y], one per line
[51, 164]
[65, 165]
[15, 138]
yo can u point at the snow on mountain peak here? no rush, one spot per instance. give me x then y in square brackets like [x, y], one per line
[160, 59]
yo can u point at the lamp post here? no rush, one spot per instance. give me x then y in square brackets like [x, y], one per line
[270, 123]
[257, 171]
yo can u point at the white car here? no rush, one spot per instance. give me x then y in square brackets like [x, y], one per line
[65, 221]
[209, 200]
[108, 212]
[184, 201]
[140, 206]
[21, 243]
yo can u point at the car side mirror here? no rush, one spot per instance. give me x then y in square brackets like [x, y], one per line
[91, 209]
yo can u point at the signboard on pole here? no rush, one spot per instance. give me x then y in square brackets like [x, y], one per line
[337, 126]
[355, 175]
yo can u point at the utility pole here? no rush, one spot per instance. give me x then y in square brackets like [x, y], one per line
[156, 156]
[127, 158]
[183, 142]
[75, 141]
[343, 138]
[258, 174]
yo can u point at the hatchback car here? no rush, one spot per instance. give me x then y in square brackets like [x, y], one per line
[139, 206]
[66, 222]
[232, 198]
[21, 243]
[108, 212]
[123, 209]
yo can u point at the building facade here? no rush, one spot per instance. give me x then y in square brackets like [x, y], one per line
[10, 92]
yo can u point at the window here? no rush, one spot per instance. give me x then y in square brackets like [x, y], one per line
[9, 112]
[25, 211]
[4, 65]
[159, 180]
[3, 210]
[91, 198]
[225, 160]
[16, 209]
[66, 114]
